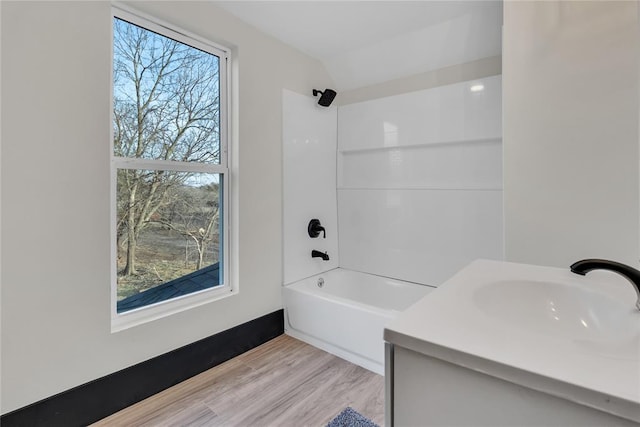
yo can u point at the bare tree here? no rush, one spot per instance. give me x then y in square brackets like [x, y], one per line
[166, 107]
[194, 220]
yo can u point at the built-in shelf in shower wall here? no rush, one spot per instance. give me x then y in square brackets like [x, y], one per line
[420, 181]
[453, 165]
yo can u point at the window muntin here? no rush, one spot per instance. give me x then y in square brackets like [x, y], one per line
[169, 168]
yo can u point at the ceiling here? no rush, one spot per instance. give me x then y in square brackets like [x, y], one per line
[367, 42]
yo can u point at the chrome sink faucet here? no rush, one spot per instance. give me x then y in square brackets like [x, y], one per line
[584, 266]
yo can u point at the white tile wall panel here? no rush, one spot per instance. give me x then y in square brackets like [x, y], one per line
[468, 165]
[443, 114]
[423, 236]
[309, 185]
[420, 181]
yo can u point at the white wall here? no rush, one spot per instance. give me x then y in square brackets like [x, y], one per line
[309, 184]
[571, 131]
[55, 191]
[420, 181]
[452, 33]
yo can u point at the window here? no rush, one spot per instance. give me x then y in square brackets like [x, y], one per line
[169, 171]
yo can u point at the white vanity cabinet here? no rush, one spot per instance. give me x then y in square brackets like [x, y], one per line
[428, 391]
[457, 358]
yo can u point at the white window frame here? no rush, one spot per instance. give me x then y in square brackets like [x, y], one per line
[125, 320]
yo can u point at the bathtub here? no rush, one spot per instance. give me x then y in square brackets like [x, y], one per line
[346, 315]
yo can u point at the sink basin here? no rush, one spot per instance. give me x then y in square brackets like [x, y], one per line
[588, 318]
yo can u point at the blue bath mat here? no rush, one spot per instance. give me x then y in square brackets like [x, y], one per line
[351, 418]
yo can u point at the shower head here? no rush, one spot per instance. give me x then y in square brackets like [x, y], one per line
[327, 96]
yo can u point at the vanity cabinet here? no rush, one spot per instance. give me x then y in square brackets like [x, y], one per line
[428, 391]
[459, 358]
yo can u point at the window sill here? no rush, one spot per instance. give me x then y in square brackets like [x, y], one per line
[129, 319]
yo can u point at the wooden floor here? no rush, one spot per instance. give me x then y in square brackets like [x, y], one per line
[284, 382]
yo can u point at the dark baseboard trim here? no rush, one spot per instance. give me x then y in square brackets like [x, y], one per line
[100, 398]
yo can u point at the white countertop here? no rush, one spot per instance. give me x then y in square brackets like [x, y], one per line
[503, 338]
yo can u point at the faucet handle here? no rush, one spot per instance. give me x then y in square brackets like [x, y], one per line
[314, 228]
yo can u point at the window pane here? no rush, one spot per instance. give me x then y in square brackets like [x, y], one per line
[166, 97]
[168, 235]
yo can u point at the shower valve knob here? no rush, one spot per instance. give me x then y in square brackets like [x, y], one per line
[314, 228]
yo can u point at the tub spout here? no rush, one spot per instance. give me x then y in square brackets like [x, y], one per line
[318, 254]
[631, 274]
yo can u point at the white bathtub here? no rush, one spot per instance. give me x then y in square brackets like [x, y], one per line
[347, 315]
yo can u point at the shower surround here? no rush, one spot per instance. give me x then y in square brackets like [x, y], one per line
[408, 187]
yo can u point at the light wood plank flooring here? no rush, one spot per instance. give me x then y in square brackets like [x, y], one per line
[284, 382]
